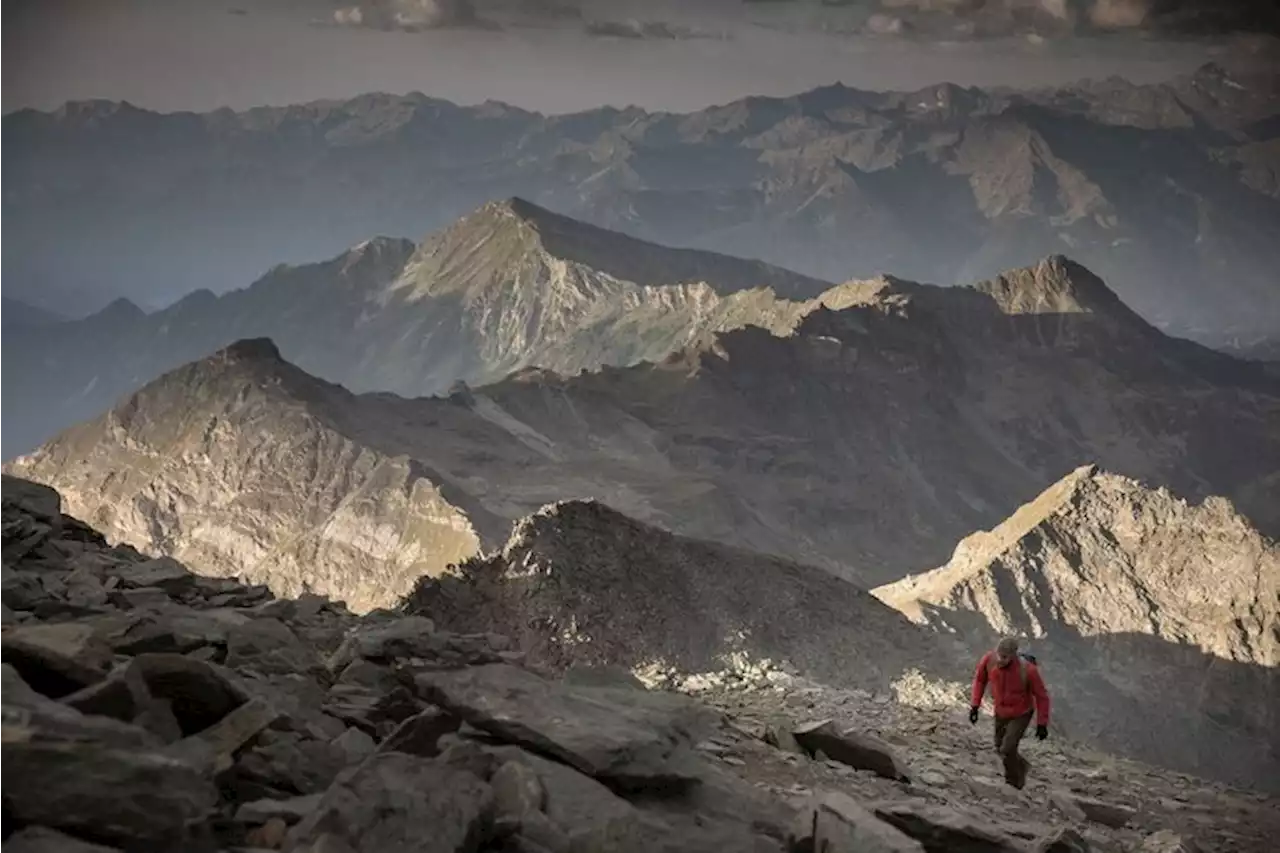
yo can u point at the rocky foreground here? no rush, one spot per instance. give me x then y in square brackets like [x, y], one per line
[146, 708]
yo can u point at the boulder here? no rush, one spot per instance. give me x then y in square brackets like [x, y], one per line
[290, 810]
[41, 839]
[176, 632]
[299, 699]
[858, 750]
[574, 802]
[640, 832]
[214, 746]
[375, 713]
[627, 745]
[399, 803]
[944, 830]
[146, 598]
[39, 502]
[1062, 840]
[1099, 811]
[163, 573]
[22, 591]
[385, 641]
[127, 796]
[421, 733]
[778, 734]
[355, 744]
[517, 790]
[124, 695]
[289, 763]
[835, 823]
[268, 646]
[199, 693]
[56, 659]
[40, 718]
[84, 591]
[1168, 841]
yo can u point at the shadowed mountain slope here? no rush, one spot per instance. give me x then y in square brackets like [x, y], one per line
[866, 434]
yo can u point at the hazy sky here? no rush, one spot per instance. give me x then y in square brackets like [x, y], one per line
[202, 54]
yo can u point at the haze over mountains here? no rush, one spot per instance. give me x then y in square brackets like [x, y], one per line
[1167, 190]
[508, 287]
[664, 496]
[867, 433]
[859, 443]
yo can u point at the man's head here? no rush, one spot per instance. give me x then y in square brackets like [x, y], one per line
[1006, 651]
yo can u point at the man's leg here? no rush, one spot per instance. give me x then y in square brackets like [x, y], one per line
[1015, 766]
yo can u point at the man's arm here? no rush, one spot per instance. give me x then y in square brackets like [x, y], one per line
[1040, 693]
[980, 681]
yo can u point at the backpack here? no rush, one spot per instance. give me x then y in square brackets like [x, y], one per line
[1023, 660]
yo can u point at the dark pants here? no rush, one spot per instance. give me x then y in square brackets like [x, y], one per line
[1009, 734]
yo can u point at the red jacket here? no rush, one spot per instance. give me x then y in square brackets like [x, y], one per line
[1011, 696]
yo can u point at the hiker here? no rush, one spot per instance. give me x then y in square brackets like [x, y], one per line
[1016, 692]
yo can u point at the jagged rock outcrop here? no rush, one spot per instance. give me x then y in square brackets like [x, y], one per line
[580, 583]
[507, 287]
[243, 474]
[881, 424]
[1158, 620]
[249, 722]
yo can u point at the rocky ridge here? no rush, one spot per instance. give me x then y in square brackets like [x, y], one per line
[1166, 189]
[866, 433]
[1130, 592]
[147, 708]
[507, 287]
[580, 583]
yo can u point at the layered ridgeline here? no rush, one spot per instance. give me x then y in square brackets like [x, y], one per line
[867, 434]
[147, 708]
[1157, 621]
[509, 286]
[1169, 190]
[578, 583]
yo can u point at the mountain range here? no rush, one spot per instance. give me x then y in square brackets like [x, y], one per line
[507, 287]
[865, 433]
[1168, 190]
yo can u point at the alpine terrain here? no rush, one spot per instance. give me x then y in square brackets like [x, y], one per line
[146, 708]
[1169, 190]
[1131, 593]
[866, 433]
[507, 287]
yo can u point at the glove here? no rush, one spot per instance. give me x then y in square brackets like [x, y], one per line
[1042, 732]
[973, 714]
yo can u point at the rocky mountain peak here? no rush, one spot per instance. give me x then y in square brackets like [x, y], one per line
[580, 582]
[376, 257]
[121, 310]
[1055, 285]
[1102, 571]
[514, 241]
[248, 351]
